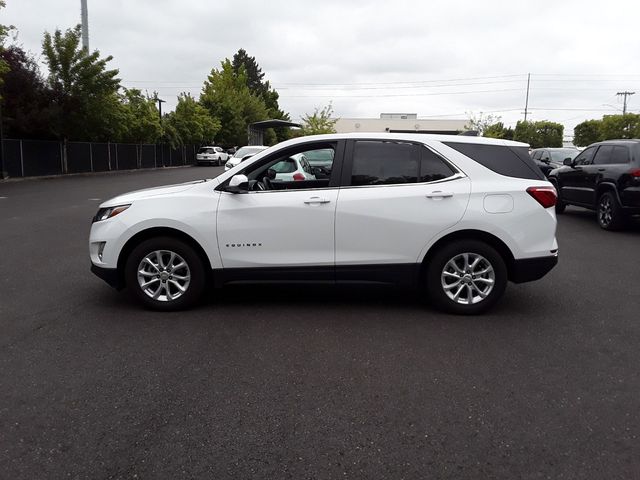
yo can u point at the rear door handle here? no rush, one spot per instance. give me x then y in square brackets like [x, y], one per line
[439, 194]
[315, 200]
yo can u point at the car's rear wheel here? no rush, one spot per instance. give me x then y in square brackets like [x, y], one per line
[165, 274]
[609, 212]
[466, 277]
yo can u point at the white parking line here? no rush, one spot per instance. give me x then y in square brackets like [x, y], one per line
[3, 198]
[94, 199]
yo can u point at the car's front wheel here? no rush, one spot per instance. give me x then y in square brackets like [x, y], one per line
[466, 277]
[165, 274]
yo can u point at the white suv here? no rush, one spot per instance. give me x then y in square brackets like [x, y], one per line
[457, 216]
[211, 155]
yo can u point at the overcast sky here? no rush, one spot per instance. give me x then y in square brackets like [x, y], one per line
[436, 59]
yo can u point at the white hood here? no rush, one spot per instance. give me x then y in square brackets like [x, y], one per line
[149, 192]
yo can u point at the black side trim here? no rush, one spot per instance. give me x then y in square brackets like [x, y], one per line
[530, 269]
[403, 274]
[109, 275]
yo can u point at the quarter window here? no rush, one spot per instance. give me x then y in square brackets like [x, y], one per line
[384, 163]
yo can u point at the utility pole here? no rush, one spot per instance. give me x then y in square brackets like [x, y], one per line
[160, 102]
[625, 94]
[526, 102]
[84, 14]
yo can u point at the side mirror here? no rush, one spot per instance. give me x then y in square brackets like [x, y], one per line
[271, 174]
[247, 156]
[568, 162]
[238, 184]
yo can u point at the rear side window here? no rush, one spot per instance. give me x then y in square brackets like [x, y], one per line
[384, 163]
[508, 161]
[603, 155]
[432, 167]
[619, 155]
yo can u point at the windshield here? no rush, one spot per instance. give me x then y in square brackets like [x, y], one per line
[247, 151]
[558, 156]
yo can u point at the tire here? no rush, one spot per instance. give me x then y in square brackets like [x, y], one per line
[609, 212]
[560, 205]
[444, 281]
[161, 253]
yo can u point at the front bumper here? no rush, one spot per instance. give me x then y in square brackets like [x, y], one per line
[109, 275]
[530, 269]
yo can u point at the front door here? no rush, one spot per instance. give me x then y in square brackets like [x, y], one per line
[574, 180]
[283, 224]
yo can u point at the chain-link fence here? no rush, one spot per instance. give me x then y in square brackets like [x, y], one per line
[31, 158]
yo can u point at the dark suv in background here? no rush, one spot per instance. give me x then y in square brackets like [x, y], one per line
[605, 177]
[549, 158]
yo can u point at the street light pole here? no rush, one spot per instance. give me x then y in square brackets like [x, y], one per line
[160, 102]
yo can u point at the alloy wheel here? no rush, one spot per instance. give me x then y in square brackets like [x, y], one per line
[163, 275]
[468, 278]
[605, 210]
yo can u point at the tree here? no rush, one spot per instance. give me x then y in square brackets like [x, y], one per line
[228, 99]
[262, 89]
[587, 132]
[620, 126]
[85, 100]
[481, 122]
[141, 121]
[498, 130]
[192, 122]
[539, 134]
[4, 31]
[320, 122]
[25, 110]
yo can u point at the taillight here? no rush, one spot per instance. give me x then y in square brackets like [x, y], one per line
[545, 196]
[298, 176]
[635, 172]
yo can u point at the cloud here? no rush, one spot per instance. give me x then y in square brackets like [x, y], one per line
[171, 46]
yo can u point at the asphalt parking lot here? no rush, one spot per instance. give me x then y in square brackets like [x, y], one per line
[308, 382]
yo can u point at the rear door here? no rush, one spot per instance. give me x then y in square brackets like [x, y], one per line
[394, 197]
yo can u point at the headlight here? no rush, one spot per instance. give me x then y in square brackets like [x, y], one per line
[109, 212]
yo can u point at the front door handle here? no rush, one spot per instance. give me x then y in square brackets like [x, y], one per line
[439, 194]
[316, 200]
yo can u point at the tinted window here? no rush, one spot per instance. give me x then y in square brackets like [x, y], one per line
[432, 167]
[619, 155]
[508, 161]
[602, 155]
[586, 157]
[383, 163]
[285, 166]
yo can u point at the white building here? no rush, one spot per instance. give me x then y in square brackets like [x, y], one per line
[400, 122]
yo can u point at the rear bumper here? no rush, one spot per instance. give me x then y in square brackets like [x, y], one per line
[109, 275]
[530, 269]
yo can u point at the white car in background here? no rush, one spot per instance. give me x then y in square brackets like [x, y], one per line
[296, 168]
[242, 154]
[211, 155]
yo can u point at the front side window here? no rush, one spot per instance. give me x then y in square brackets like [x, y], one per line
[384, 163]
[545, 156]
[289, 170]
[536, 155]
[586, 157]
